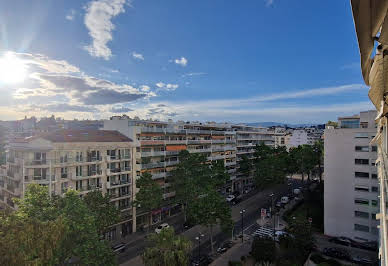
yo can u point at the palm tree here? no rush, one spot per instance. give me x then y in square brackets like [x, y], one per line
[167, 249]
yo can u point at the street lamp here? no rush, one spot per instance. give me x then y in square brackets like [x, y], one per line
[242, 225]
[198, 238]
[272, 214]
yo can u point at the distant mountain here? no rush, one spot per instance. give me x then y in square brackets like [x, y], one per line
[277, 124]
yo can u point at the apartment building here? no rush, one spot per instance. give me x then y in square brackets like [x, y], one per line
[247, 137]
[83, 160]
[351, 186]
[158, 145]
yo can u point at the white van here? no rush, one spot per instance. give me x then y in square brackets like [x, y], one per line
[284, 200]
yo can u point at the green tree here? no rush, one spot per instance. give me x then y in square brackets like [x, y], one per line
[80, 240]
[167, 249]
[189, 179]
[211, 209]
[150, 195]
[28, 241]
[318, 157]
[304, 157]
[300, 238]
[245, 166]
[263, 250]
[219, 175]
[103, 210]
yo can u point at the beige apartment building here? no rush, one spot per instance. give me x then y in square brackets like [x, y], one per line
[247, 137]
[158, 145]
[83, 160]
[351, 185]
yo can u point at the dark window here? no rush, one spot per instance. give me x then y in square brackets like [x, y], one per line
[360, 227]
[374, 216]
[374, 148]
[361, 174]
[361, 201]
[374, 176]
[375, 189]
[362, 189]
[362, 148]
[374, 203]
[361, 161]
[361, 214]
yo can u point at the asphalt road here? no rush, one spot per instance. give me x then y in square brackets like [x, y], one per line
[252, 203]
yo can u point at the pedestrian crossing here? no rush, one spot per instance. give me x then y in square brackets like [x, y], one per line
[263, 232]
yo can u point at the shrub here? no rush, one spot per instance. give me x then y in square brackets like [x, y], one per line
[263, 249]
[317, 259]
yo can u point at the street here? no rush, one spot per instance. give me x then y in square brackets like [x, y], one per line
[251, 205]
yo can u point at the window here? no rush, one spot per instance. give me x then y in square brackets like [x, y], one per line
[78, 170]
[64, 172]
[361, 201]
[361, 161]
[374, 176]
[374, 203]
[361, 174]
[360, 227]
[375, 189]
[353, 123]
[362, 148]
[374, 148]
[78, 156]
[361, 135]
[374, 216]
[361, 189]
[361, 214]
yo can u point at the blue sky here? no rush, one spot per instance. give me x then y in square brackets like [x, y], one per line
[220, 60]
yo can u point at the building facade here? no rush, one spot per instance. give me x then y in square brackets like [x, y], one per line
[158, 145]
[351, 186]
[83, 160]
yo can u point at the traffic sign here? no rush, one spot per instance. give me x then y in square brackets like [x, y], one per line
[263, 213]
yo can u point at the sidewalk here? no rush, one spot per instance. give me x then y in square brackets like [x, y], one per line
[235, 253]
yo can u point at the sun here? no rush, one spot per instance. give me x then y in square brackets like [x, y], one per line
[12, 69]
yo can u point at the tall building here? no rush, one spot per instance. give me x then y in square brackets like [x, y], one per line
[157, 147]
[351, 186]
[83, 160]
[247, 137]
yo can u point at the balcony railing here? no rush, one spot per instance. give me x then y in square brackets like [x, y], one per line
[158, 175]
[152, 165]
[35, 162]
[152, 153]
[199, 150]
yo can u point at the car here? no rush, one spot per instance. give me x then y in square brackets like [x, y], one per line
[371, 245]
[236, 193]
[341, 241]
[362, 260]
[202, 261]
[337, 253]
[230, 198]
[278, 204]
[247, 190]
[225, 246]
[284, 200]
[236, 200]
[119, 248]
[297, 191]
[161, 227]
[188, 224]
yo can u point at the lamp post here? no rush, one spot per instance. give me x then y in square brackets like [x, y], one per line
[272, 214]
[198, 238]
[242, 225]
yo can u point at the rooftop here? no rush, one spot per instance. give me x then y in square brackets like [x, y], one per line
[80, 136]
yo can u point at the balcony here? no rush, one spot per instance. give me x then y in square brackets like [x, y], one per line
[95, 173]
[94, 159]
[172, 152]
[169, 195]
[152, 165]
[118, 183]
[216, 157]
[35, 162]
[183, 141]
[152, 153]
[230, 163]
[152, 130]
[158, 175]
[218, 141]
[199, 150]
[172, 163]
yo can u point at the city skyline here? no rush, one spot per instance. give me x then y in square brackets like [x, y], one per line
[174, 60]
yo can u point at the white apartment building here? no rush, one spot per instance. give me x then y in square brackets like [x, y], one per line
[351, 186]
[83, 160]
[247, 137]
[158, 145]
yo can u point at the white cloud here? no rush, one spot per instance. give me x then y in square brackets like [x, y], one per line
[137, 56]
[194, 74]
[167, 87]
[182, 61]
[268, 3]
[98, 21]
[145, 88]
[71, 14]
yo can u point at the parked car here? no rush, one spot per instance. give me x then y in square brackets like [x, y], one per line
[119, 248]
[236, 200]
[362, 260]
[188, 224]
[345, 241]
[225, 246]
[230, 198]
[161, 227]
[236, 193]
[337, 253]
[278, 204]
[371, 245]
[202, 261]
[284, 200]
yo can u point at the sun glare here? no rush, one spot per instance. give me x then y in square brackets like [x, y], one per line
[12, 69]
